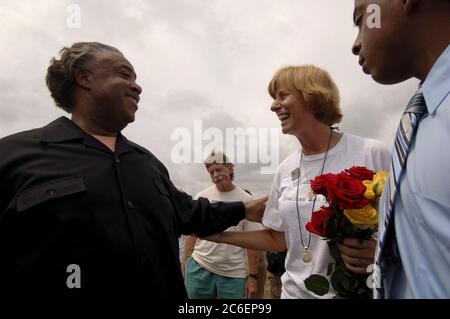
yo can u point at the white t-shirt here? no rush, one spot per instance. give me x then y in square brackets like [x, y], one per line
[223, 259]
[181, 247]
[281, 213]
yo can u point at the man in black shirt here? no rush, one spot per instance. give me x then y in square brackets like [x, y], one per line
[83, 210]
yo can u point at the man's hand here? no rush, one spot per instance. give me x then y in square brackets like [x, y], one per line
[251, 288]
[254, 209]
[183, 268]
[358, 255]
[189, 244]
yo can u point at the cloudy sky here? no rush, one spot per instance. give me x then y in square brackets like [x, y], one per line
[197, 60]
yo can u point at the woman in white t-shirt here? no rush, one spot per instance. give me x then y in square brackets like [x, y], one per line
[306, 101]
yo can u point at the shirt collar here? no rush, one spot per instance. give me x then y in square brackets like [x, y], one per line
[61, 130]
[64, 129]
[436, 86]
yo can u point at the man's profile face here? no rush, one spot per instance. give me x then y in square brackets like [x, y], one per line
[114, 92]
[220, 174]
[381, 50]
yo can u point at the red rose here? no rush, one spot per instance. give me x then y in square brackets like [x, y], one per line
[361, 173]
[323, 184]
[319, 221]
[348, 192]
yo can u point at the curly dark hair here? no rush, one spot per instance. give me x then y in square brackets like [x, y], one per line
[60, 77]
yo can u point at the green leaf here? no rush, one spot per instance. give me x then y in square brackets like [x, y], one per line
[341, 282]
[317, 284]
[330, 269]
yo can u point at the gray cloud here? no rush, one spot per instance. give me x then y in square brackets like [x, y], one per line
[196, 60]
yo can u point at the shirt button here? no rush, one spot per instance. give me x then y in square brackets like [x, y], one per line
[130, 204]
[51, 192]
[117, 160]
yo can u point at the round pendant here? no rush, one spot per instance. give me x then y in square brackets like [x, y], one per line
[306, 255]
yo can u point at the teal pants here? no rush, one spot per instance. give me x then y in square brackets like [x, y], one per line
[203, 284]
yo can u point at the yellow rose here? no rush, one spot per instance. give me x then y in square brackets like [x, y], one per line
[369, 190]
[364, 218]
[379, 179]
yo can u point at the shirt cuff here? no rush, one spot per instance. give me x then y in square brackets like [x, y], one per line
[236, 210]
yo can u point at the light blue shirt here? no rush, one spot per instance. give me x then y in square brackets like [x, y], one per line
[422, 206]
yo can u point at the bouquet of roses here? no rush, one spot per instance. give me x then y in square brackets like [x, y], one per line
[353, 197]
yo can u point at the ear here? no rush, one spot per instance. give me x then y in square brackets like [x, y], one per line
[409, 6]
[84, 78]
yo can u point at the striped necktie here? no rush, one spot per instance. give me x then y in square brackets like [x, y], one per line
[388, 250]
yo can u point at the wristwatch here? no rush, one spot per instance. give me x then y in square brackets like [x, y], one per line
[254, 276]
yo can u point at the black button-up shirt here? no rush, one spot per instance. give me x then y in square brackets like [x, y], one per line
[66, 199]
